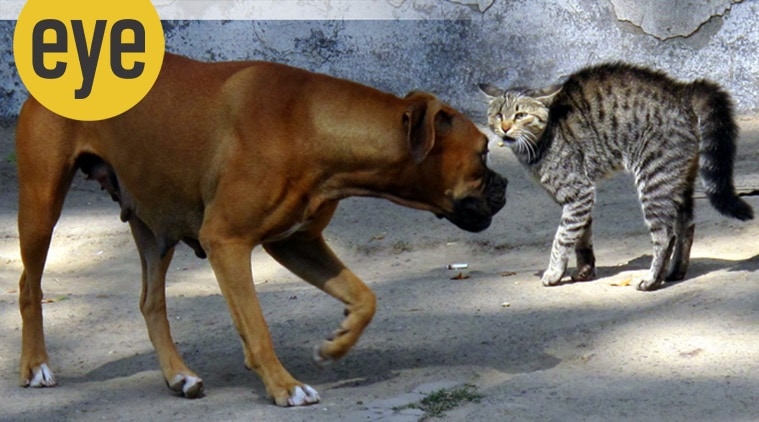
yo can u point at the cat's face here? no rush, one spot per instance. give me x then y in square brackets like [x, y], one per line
[514, 116]
[518, 117]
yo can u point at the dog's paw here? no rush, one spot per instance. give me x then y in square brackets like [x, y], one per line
[303, 396]
[189, 385]
[320, 360]
[42, 376]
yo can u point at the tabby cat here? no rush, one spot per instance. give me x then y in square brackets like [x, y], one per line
[613, 117]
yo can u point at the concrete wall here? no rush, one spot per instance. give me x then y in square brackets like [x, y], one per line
[447, 47]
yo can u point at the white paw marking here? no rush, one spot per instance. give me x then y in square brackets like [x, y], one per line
[302, 396]
[42, 376]
[189, 385]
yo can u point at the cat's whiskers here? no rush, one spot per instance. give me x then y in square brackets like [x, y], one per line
[518, 145]
[527, 141]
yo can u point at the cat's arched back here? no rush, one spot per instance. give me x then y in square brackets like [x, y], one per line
[616, 116]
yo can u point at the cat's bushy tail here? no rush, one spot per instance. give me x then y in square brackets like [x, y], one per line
[719, 133]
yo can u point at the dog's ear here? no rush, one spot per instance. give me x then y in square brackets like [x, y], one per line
[424, 119]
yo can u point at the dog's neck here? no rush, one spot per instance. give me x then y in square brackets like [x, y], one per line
[381, 172]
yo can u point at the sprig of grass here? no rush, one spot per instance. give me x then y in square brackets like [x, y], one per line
[440, 401]
[402, 246]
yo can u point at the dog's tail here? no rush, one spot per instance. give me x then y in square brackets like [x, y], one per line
[719, 133]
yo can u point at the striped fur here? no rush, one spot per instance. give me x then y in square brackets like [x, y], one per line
[615, 117]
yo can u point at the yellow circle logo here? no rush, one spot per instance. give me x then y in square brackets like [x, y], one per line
[88, 59]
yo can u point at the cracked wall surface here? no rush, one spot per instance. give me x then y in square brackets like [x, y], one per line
[666, 19]
[448, 47]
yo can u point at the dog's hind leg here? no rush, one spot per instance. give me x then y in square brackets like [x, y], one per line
[46, 165]
[311, 259]
[178, 377]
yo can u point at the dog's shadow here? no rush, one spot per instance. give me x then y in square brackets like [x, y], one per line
[698, 267]
[503, 351]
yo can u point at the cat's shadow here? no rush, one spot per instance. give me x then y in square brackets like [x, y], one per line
[697, 268]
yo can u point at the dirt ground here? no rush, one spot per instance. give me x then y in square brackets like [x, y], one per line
[593, 351]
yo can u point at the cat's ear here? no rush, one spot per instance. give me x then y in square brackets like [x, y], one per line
[546, 95]
[491, 91]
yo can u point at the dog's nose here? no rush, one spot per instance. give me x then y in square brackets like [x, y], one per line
[495, 192]
[471, 214]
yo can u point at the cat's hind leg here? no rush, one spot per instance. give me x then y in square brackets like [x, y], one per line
[664, 242]
[586, 259]
[661, 214]
[684, 231]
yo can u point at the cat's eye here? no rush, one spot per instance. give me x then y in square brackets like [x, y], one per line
[520, 115]
[499, 116]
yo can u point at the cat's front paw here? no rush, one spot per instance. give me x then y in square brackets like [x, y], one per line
[649, 285]
[584, 273]
[551, 278]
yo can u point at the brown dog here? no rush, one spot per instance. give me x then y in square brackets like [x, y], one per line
[227, 156]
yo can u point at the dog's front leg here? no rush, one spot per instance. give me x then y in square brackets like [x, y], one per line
[178, 377]
[311, 259]
[231, 264]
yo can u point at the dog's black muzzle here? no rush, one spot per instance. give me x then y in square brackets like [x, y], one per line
[475, 213]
